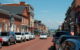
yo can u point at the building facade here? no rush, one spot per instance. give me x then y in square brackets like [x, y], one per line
[72, 19]
[25, 12]
[40, 27]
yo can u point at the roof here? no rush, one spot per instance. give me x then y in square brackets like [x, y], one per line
[4, 12]
[13, 9]
[10, 14]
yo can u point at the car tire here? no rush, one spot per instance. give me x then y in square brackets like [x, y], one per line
[60, 48]
[0, 45]
[27, 39]
[24, 39]
[21, 40]
[14, 42]
[8, 43]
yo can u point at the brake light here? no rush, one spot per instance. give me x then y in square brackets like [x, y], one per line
[0, 39]
[72, 33]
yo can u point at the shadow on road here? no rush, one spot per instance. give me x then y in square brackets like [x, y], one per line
[52, 48]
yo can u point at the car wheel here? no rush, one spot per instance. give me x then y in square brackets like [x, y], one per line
[24, 39]
[14, 42]
[21, 40]
[54, 48]
[27, 39]
[8, 43]
[68, 46]
[0, 45]
[60, 48]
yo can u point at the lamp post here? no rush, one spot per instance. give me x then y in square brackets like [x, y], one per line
[11, 23]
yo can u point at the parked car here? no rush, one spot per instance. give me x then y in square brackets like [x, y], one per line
[57, 38]
[70, 44]
[20, 36]
[8, 37]
[32, 36]
[28, 35]
[1, 42]
[43, 36]
[23, 36]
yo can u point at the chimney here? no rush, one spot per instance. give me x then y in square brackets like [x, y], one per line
[22, 3]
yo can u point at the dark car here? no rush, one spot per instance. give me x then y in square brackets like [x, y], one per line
[57, 39]
[70, 44]
[1, 42]
[8, 37]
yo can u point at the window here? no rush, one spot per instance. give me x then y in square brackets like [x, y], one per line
[26, 33]
[18, 33]
[0, 27]
[6, 27]
[4, 33]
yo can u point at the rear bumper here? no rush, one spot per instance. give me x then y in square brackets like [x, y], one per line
[27, 38]
[18, 39]
[43, 37]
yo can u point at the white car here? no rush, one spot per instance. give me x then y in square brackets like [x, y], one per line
[43, 36]
[20, 36]
[23, 36]
[32, 36]
[28, 35]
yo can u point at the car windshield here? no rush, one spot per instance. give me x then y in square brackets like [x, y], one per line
[43, 34]
[4, 34]
[27, 33]
[58, 34]
[18, 33]
[32, 34]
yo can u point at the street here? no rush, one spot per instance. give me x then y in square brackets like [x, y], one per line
[36, 44]
[40, 25]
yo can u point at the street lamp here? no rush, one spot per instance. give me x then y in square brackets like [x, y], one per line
[11, 22]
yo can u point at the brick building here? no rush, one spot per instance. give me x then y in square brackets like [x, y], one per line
[40, 27]
[7, 20]
[25, 13]
[73, 17]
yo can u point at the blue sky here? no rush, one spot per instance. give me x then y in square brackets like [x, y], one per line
[50, 12]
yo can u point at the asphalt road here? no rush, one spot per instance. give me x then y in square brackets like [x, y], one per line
[36, 44]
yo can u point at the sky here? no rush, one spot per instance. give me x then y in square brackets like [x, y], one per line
[50, 12]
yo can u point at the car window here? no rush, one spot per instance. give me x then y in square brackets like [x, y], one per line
[58, 34]
[26, 33]
[22, 33]
[18, 33]
[32, 34]
[43, 34]
[4, 34]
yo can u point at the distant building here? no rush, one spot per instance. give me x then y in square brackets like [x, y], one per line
[51, 32]
[40, 27]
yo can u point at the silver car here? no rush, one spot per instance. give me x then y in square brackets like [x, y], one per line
[8, 37]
